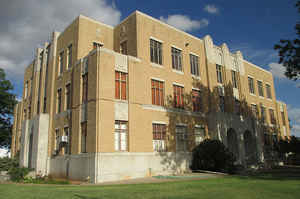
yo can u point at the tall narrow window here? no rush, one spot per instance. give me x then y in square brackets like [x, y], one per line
[176, 59]
[254, 110]
[69, 56]
[196, 98]
[26, 90]
[59, 100]
[194, 60]
[181, 138]
[85, 88]
[66, 145]
[61, 63]
[268, 87]
[156, 52]
[56, 143]
[68, 96]
[283, 118]
[178, 96]
[121, 131]
[123, 47]
[46, 79]
[120, 85]
[272, 116]
[260, 88]
[83, 137]
[234, 79]
[199, 132]
[157, 88]
[251, 85]
[263, 114]
[219, 74]
[159, 137]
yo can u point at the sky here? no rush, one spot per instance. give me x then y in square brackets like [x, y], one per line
[253, 27]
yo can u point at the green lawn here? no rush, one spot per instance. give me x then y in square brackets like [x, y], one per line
[228, 187]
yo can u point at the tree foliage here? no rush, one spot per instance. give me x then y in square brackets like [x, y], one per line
[7, 102]
[212, 155]
[289, 53]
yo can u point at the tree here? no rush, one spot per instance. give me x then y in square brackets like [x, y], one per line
[289, 53]
[7, 103]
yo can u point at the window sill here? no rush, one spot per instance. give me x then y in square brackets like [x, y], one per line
[156, 65]
[121, 101]
[252, 94]
[270, 99]
[261, 97]
[196, 77]
[178, 72]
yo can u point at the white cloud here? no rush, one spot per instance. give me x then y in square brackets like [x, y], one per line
[184, 22]
[277, 70]
[294, 115]
[212, 9]
[27, 24]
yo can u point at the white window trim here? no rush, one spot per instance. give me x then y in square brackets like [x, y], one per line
[178, 84]
[157, 79]
[173, 46]
[192, 53]
[178, 71]
[156, 65]
[159, 122]
[196, 89]
[153, 38]
[196, 77]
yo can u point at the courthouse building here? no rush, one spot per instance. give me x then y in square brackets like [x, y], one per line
[108, 103]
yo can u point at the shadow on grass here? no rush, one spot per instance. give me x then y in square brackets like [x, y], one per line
[84, 197]
[270, 176]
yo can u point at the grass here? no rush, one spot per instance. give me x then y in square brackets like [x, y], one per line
[226, 187]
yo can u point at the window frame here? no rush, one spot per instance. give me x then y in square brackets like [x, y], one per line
[194, 63]
[251, 86]
[61, 63]
[197, 100]
[269, 92]
[234, 79]
[156, 51]
[178, 94]
[59, 101]
[159, 132]
[260, 88]
[176, 55]
[219, 71]
[119, 131]
[68, 96]
[157, 92]
[70, 56]
[121, 83]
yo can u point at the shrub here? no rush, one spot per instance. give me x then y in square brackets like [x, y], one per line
[7, 163]
[212, 155]
[17, 174]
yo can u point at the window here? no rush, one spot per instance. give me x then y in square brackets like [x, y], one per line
[272, 116]
[121, 135]
[251, 85]
[178, 97]
[46, 79]
[283, 118]
[268, 87]
[234, 79]
[123, 48]
[263, 113]
[97, 45]
[254, 110]
[84, 88]
[157, 92]
[26, 90]
[121, 85]
[69, 56]
[68, 96]
[260, 88]
[176, 59]
[219, 73]
[159, 137]
[25, 114]
[199, 134]
[83, 137]
[196, 99]
[181, 138]
[194, 65]
[66, 146]
[61, 63]
[156, 51]
[59, 100]
[56, 143]
[222, 103]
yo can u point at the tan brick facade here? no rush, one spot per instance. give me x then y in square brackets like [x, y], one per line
[95, 51]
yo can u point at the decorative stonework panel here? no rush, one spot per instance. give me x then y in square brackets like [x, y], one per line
[121, 63]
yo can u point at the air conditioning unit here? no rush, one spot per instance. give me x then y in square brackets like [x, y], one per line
[64, 138]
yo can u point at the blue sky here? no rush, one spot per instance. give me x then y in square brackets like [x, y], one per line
[252, 27]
